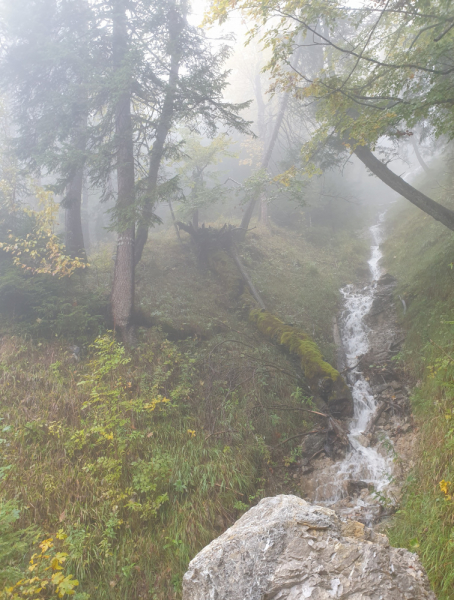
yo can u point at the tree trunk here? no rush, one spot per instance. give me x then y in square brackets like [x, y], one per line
[74, 239]
[249, 211]
[429, 206]
[176, 24]
[269, 151]
[264, 211]
[123, 285]
[85, 216]
[418, 155]
[174, 221]
[195, 219]
[246, 278]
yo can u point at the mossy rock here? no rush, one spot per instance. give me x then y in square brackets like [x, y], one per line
[324, 380]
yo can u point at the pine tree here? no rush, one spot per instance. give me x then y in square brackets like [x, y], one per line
[44, 72]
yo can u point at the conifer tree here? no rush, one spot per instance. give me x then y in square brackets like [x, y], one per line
[45, 70]
[97, 87]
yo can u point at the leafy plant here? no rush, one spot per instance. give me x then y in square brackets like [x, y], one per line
[46, 577]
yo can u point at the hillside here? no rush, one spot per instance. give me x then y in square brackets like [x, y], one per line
[419, 252]
[131, 461]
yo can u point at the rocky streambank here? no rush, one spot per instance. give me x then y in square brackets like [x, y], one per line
[328, 542]
[328, 473]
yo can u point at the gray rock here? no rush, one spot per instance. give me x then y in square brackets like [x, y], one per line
[287, 549]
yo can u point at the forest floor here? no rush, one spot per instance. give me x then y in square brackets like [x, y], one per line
[130, 462]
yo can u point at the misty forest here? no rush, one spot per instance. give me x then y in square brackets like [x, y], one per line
[226, 299]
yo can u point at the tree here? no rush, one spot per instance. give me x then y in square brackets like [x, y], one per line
[104, 102]
[123, 284]
[387, 69]
[150, 44]
[44, 69]
[176, 24]
[198, 182]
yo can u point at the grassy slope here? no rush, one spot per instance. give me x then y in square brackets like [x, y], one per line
[419, 252]
[139, 484]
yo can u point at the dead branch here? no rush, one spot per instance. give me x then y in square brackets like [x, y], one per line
[247, 279]
[298, 408]
[299, 435]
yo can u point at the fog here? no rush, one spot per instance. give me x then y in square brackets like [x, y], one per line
[226, 274]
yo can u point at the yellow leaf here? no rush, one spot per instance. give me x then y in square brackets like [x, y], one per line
[444, 485]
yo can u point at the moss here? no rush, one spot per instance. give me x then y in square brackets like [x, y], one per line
[297, 342]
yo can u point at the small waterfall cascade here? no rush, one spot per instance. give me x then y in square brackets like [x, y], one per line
[363, 463]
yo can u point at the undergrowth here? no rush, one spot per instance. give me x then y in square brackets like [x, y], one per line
[137, 460]
[420, 252]
[118, 467]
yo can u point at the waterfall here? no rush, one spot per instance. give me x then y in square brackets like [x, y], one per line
[362, 462]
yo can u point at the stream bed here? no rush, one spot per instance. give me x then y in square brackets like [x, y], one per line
[362, 483]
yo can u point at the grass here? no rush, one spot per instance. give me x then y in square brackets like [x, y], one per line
[132, 462]
[419, 252]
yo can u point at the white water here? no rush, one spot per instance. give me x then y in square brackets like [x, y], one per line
[361, 463]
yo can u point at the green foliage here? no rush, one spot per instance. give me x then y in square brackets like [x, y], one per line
[41, 250]
[42, 306]
[381, 70]
[126, 470]
[143, 457]
[14, 542]
[37, 301]
[197, 177]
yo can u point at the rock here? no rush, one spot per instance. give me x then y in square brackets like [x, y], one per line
[75, 353]
[338, 397]
[355, 486]
[387, 279]
[312, 444]
[364, 440]
[287, 549]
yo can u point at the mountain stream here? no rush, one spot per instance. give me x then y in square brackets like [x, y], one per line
[366, 466]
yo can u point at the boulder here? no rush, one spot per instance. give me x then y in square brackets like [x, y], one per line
[287, 549]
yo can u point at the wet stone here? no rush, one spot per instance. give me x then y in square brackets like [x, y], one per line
[287, 549]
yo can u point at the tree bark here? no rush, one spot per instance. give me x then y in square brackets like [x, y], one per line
[174, 221]
[85, 216]
[123, 285]
[74, 238]
[176, 24]
[434, 209]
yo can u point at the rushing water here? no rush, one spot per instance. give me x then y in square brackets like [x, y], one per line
[362, 462]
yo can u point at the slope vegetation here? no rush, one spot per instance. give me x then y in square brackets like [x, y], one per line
[420, 253]
[117, 467]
